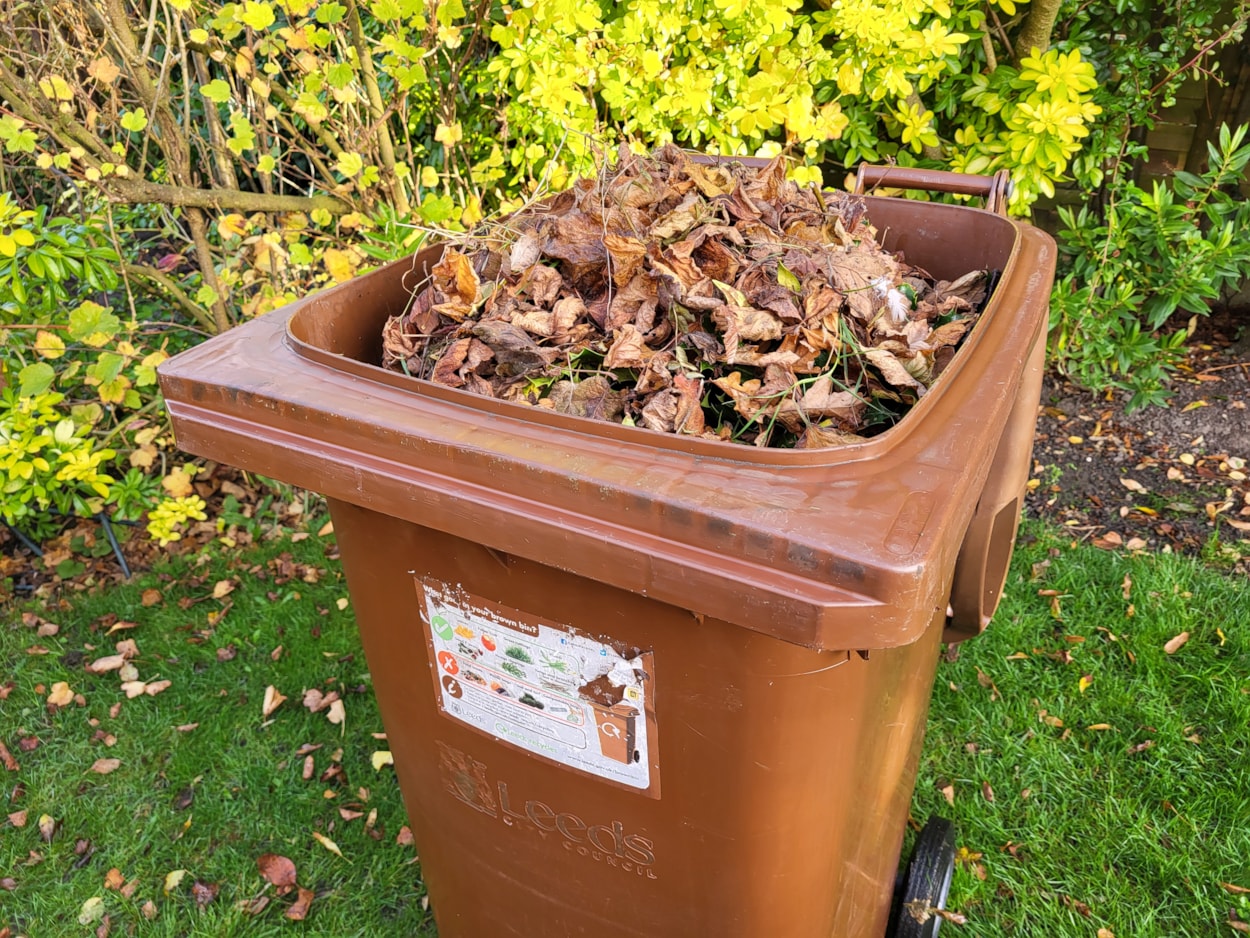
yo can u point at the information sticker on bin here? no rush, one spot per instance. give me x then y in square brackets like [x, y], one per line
[546, 688]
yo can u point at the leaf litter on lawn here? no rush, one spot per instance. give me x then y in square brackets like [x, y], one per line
[712, 300]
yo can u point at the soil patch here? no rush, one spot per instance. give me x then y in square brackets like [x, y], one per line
[1158, 478]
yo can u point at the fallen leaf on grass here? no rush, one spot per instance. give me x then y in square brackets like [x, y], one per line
[336, 714]
[7, 760]
[8, 884]
[1133, 485]
[273, 700]
[105, 766]
[1105, 933]
[1236, 890]
[1108, 541]
[114, 879]
[121, 626]
[61, 695]
[48, 826]
[1084, 683]
[278, 871]
[347, 814]
[1099, 727]
[948, 792]
[987, 792]
[186, 727]
[252, 906]
[404, 837]
[204, 893]
[173, 880]
[223, 588]
[327, 528]
[1173, 645]
[151, 597]
[327, 843]
[106, 664]
[1141, 747]
[18, 818]
[299, 908]
[380, 758]
[92, 911]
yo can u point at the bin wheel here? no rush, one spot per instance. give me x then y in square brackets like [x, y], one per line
[926, 882]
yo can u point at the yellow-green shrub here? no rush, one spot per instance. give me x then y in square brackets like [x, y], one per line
[913, 81]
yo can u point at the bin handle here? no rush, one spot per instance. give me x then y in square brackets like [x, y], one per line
[995, 189]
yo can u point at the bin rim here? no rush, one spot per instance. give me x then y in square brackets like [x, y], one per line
[722, 450]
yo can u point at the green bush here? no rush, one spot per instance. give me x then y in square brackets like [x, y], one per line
[1153, 254]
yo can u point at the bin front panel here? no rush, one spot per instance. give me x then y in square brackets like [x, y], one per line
[779, 779]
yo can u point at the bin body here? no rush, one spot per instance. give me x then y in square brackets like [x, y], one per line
[638, 685]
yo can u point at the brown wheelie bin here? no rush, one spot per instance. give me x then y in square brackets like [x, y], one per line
[634, 684]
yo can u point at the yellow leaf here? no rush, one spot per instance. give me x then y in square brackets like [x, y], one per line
[178, 483]
[49, 345]
[341, 265]
[61, 695]
[327, 843]
[104, 70]
[173, 879]
[472, 213]
[327, 528]
[223, 588]
[380, 758]
[1084, 683]
[449, 136]
[341, 602]
[232, 224]
[349, 164]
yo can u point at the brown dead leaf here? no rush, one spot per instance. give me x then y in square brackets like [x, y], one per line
[299, 908]
[987, 792]
[203, 892]
[1236, 890]
[7, 760]
[404, 838]
[61, 695]
[253, 906]
[18, 818]
[278, 871]
[114, 879]
[151, 597]
[152, 688]
[105, 766]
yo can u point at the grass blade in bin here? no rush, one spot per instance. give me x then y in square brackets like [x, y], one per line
[730, 647]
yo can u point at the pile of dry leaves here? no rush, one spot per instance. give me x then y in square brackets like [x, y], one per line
[706, 299]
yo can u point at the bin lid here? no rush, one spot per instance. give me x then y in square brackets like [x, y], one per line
[846, 548]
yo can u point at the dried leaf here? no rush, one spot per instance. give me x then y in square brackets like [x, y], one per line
[273, 700]
[173, 880]
[278, 871]
[327, 843]
[105, 766]
[108, 663]
[48, 827]
[61, 695]
[1173, 645]
[381, 758]
[203, 892]
[299, 908]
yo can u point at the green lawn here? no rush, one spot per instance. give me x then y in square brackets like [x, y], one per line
[1131, 827]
